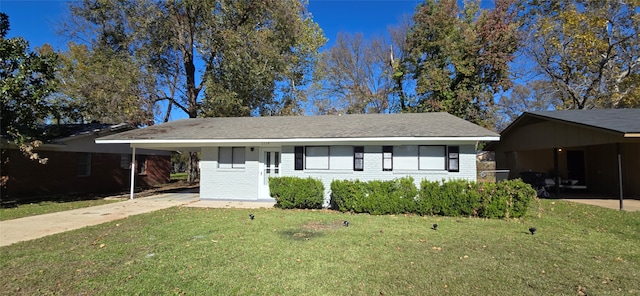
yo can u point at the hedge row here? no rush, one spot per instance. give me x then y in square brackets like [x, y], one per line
[452, 198]
[297, 193]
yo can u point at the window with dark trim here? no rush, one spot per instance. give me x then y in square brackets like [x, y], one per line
[125, 161]
[84, 164]
[358, 158]
[453, 158]
[387, 158]
[299, 158]
[141, 164]
[231, 157]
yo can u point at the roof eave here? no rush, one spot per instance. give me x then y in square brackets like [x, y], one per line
[296, 140]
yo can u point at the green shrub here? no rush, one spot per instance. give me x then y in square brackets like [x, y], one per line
[347, 196]
[429, 193]
[508, 199]
[374, 197]
[297, 193]
[520, 196]
[493, 201]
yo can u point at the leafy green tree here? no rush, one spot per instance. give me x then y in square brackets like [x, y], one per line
[588, 50]
[208, 58]
[26, 80]
[102, 85]
[459, 57]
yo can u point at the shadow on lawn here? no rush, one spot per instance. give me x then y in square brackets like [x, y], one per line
[171, 187]
[300, 234]
[311, 229]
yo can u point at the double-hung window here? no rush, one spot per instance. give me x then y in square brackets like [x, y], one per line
[84, 164]
[142, 164]
[125, 161]
[358, 158]
[231, 157]
[454, 158]
[387, 158]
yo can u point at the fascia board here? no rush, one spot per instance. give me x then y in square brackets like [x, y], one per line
[196, 142]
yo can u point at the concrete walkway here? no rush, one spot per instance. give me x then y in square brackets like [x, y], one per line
[28, 228]
[630, 205]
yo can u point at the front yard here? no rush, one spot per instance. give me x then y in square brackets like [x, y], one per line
[577, 250]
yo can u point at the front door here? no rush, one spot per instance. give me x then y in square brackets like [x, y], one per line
[269, 167]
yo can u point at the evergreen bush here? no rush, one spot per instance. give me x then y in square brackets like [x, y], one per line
[297, 193]
[508, 199]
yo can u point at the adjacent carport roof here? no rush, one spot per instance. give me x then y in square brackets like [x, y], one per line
[621, 121]
[300, 128]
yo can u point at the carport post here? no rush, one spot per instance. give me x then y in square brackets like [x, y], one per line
[620, 177]
[133, 171]
[556, 178]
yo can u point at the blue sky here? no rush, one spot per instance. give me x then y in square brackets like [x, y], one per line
[36, 20]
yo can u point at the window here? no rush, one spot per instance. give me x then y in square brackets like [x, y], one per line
[341, 158]
[405, 157]
[387, 158]
[432, 158]
[299, 158]
[125, 161]
[84, 164]
[141, 164]
[231, 157]
[454, 158]
[358, 158]
[317, 157]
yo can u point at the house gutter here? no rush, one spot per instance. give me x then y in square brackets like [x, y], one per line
[293, 140]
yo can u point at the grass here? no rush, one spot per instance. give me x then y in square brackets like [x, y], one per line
[179, 176]
[45, 207]
[577, 248]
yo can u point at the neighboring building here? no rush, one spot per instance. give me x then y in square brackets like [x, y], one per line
[240, 154]
[581, 147]
[76, 164]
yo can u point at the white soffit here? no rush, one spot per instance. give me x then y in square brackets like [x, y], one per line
[296, 140]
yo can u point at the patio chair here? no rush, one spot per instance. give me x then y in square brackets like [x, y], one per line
[537, 181]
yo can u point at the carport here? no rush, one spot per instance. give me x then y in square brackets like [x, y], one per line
[595, 151]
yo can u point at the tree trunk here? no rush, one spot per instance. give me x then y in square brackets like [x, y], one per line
[194, 170]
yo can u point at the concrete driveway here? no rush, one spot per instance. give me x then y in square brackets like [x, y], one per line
[631, 205]
[28, 228]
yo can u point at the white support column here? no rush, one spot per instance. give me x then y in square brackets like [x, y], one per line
[133, 171]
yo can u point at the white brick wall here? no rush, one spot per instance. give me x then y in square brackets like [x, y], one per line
[373, 169]
[242, 184]
[216, 183]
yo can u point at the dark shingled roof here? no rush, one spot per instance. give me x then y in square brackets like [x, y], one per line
[617, 120]
[300, 127]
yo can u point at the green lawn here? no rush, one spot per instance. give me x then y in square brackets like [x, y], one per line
[179, 176]
[45, 207]
[194, 251]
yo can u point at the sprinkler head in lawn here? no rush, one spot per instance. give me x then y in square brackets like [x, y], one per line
[251, 216]
[532, 230]
[345, 223]
[435, 226]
